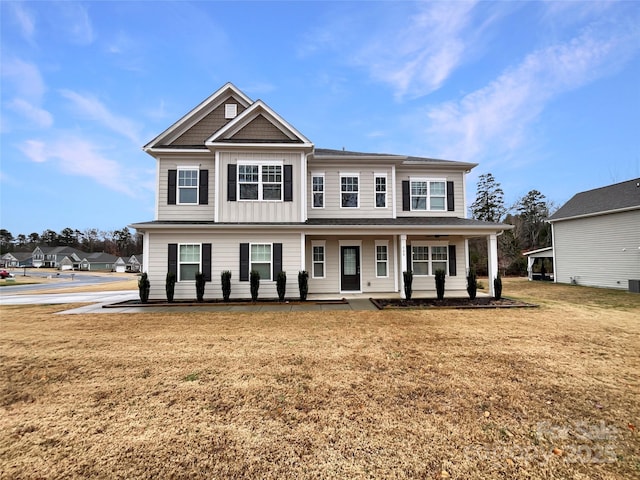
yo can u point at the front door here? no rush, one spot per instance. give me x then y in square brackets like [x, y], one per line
[350, 267]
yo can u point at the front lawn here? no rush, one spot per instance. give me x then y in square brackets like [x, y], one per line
[552, 392]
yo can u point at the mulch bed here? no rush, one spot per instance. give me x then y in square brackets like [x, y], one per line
[212, 302]
[460, 303]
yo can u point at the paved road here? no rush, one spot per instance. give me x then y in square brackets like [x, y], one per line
[66, 280]
[58, 298]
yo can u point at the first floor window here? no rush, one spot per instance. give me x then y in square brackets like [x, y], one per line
[382, 260]
[317, 182]
[381, 191]
[427, 259]
[188, 261]
[187, 186]
[318, 261]
[349, 191]
[260, 259]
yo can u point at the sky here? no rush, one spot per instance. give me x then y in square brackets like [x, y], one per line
[543, 95]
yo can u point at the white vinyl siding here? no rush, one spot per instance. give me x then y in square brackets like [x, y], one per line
[599, 251]
[458, 179]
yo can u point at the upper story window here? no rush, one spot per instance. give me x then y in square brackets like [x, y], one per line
[317, 187]
[188, 185]
[260, 181]
[349, 190]
[381, 191]
[428, 194]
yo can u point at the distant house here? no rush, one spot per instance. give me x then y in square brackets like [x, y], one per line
[133, 264]
[51, 257]
[120, 266]
[98, 261]
[596, 237]
[16, 259]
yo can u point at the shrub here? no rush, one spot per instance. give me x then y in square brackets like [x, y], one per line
[472, 284]
[440, 277]
[303, 284]
[408, 281]
[170, 286]
[225, 277]
[143, 287]
[200, 282]
[254, 280]
[281, 285]
[497, 287]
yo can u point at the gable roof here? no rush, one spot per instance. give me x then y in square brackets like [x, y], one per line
[329, 154]
[599, 201]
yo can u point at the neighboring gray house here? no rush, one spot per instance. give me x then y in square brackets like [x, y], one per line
[16, 259]
[596, 237]
[51, 257]
[241, 189]
[133, 264]
[98, 261]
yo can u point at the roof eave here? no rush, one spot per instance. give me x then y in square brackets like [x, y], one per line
[595, 214]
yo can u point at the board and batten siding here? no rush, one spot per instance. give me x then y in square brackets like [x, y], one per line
[456, 177]
[332, 192]
[599, 251]
[225, 255]
[260, 211]
[185, 212]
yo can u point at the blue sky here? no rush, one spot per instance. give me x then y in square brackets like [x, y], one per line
[544, 95]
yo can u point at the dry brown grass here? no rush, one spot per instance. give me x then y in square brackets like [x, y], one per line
[389, 394]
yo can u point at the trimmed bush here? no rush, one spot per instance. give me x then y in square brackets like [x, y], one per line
[408, 284]
[143, 287]
[225, 278]
[200, 282]
[254, 280]
[440, 278]
[170, 286]
[281, 285]
[472, 284]
[303, 284]
[497, 287]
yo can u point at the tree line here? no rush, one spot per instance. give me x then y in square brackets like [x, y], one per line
[116, 242]
[528, 215]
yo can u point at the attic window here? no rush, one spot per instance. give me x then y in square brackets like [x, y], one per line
[230, 110]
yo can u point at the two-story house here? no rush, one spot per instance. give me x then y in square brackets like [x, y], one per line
[241, 189]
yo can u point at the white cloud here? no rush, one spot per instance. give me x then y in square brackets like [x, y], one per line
[24, 19]
[95, 110]
[24, 78]
[38, 116]
[77, 156]
[496, 118]
[75, 23]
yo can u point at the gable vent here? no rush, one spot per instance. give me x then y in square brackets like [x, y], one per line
[230, 110]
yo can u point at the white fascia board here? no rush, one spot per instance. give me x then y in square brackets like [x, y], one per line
[596, 214]
[177, 151]
[249, 114]
[193, 113]
[263, 146]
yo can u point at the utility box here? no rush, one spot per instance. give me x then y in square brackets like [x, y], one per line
[634, 286]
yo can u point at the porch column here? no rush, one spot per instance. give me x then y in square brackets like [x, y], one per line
[492, 260]
[530, 267]
[403, 262]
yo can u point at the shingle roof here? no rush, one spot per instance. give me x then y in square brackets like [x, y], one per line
[619, 196]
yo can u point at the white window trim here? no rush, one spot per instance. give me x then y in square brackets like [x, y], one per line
[375, 192]
[199, 245]
[323, 244]
[429, 260]
[428, 181]
[380, 243]
[270, 261]
[345, 175]
[197, 187]
[260, 164]
[324, 183]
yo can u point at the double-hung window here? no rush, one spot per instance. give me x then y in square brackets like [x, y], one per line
[188, 185]
[349, 189]
[382, 259]
[260, 181]
[317, 187]
[188, 261]
[318, 252]
[260, 259]
[427, 259]
[428, 194]
[381, 191]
